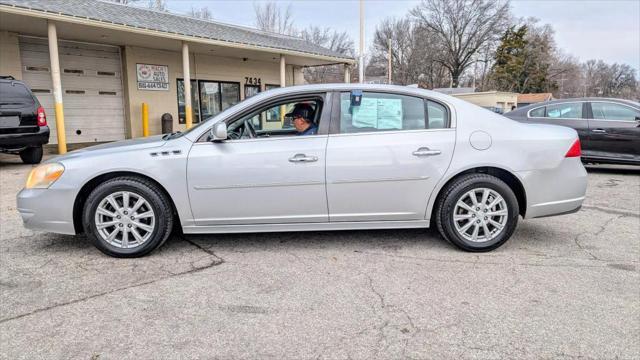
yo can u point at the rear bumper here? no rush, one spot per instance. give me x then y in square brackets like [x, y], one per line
[557, 191]
[47, 210]
[20, 141]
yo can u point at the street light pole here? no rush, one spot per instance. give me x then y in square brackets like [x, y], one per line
[361, 77]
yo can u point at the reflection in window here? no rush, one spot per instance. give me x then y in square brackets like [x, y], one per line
[565, 111]
[539, 112]
[195, 115]
[437, 115]
[611, 111]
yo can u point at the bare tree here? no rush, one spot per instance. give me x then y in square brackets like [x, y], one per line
[615, 80]
[158, 5]
[270, 17]
[462, 28]
[339, 42]
[203, 13]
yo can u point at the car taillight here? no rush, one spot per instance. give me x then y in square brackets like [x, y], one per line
[575, 150]
[42, 118]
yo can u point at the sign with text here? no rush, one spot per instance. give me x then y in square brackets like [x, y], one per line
[152, 77]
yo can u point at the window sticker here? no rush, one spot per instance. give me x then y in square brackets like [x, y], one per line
[375, 113]
[389, 114]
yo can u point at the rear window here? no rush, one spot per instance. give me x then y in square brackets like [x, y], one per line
[539, 112]
[15, 94]
[565, 111]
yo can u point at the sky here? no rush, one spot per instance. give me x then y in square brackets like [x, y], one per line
[588, 29]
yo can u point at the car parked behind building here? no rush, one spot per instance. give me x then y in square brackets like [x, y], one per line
[609, 129]
[23, 123]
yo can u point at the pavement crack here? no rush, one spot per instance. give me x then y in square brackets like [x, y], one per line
[609, 210]
[208, 251]
[216, 261]
[603, 227]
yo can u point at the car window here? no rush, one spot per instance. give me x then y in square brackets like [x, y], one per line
[565, 111]
[272, 120]
[381, 112]
[611, 111]
[539, 112]
[437, 115]
[15, 94]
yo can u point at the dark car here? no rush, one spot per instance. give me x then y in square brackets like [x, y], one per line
[23, 123]
[609, 129]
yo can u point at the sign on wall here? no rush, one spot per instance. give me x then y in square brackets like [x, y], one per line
[152, 77]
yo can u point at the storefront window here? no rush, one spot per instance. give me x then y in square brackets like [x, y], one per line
[251, 90]
[230, 94]
[194, 102]
[209, 98]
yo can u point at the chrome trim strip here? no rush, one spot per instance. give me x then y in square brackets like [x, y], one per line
[354, 181]
[244, 186]
[559, 202]
[388, 132]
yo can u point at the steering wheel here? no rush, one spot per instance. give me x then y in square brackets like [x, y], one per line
[249, 129]
[243, 131]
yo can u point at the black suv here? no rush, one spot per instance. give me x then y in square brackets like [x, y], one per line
[23, 124]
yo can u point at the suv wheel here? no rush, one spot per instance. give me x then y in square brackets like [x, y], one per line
[477, 212]
[31, 155]
[127, 217]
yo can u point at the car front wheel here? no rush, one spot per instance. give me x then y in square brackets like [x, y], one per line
[127, 217]
[477, 212]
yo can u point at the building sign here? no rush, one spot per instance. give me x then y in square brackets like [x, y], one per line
[152, 77]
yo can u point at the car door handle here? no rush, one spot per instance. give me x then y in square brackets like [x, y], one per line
[425, 151]
[300, 158]
[599, 131]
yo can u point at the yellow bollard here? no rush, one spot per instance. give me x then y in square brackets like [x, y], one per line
[145, 119]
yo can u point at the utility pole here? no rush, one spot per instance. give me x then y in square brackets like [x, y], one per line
[389, 65]
[361, 77]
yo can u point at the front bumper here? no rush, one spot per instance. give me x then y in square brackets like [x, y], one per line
[47, 210]
[556, 191]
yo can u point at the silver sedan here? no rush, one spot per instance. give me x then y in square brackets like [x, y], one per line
[315, 157]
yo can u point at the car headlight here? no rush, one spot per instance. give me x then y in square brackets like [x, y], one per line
[42, 176]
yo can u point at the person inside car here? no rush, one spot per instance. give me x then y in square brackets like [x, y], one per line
[302, 115]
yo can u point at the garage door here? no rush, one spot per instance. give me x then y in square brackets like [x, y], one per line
[91, 88]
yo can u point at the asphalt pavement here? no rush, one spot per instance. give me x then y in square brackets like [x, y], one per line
[562, 287]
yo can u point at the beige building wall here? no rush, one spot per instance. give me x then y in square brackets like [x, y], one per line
[503, 100]
[202, 67]
[10, 63]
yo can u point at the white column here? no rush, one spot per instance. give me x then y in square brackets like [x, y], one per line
[283, 73]
[187, 85]
[347, 73]
[57, 86]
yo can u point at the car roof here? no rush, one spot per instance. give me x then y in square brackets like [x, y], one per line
[581, 99]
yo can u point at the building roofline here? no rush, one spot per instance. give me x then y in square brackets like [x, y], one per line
[19, 10]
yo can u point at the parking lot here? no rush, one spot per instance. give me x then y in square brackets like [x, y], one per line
[562, 287]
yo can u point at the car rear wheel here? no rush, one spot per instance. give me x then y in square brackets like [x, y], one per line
[127, 217]
[477, 212]
[31, 155]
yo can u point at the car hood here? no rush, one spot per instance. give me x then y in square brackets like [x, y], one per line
[113, 147]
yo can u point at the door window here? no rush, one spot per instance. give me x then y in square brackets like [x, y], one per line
[272, 120]
[381, 112]
[565, 111]
[537, 113]
[611, 111]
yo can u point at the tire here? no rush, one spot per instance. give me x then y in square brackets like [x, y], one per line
[31, 155]
[459, 231]
[152, 224]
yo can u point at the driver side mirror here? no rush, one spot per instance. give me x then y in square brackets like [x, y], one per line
[218, 132]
